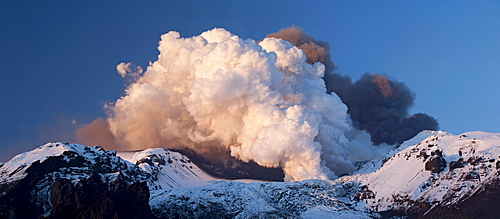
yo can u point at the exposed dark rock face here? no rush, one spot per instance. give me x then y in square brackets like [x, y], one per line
[15, 197]
[416, 210]
[456, 164]
[75, 184]
[365, 193]
[482, 204]
[436, 163]
[423, 154]
[94, 199]
[89, 182]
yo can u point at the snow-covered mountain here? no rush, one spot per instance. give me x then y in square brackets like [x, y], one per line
[435, 174]
[61, 180]
[167, 169]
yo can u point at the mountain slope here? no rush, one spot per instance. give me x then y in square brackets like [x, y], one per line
[168, 169]
[229, 199]
[59, 180]
[433, 175]
[441, 172]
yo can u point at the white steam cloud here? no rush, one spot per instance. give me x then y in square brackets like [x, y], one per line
[262, 102]
[129, 70]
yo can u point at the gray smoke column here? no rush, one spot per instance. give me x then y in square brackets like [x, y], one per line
[380, 106]
[376, 104]
[216, 94]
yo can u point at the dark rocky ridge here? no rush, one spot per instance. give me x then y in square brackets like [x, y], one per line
[75, 185]
[89, 182]
[482, 204]
[94, 199]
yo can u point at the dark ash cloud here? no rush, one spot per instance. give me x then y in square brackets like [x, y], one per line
[376, 104]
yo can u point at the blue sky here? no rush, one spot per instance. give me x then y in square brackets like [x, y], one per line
[58, 58]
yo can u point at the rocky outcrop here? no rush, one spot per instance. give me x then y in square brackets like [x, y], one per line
[482, 204]
[72, 181]
[436, 162]
[16, 197]
[94, 199]
[443, 176]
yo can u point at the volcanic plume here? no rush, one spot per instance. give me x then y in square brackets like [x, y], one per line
[260, 102]
[375, 103]
[236, 103]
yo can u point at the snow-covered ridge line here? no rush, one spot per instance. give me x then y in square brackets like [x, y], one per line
[168, 169]
[41, 182]
[441, 169]
[79, 160]
[15, 167]
[171, 169]
[427, 175]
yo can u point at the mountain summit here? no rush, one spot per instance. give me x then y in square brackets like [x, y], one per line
[435, 174]
[61, 180]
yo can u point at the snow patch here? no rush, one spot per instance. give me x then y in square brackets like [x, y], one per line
[434, 167]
